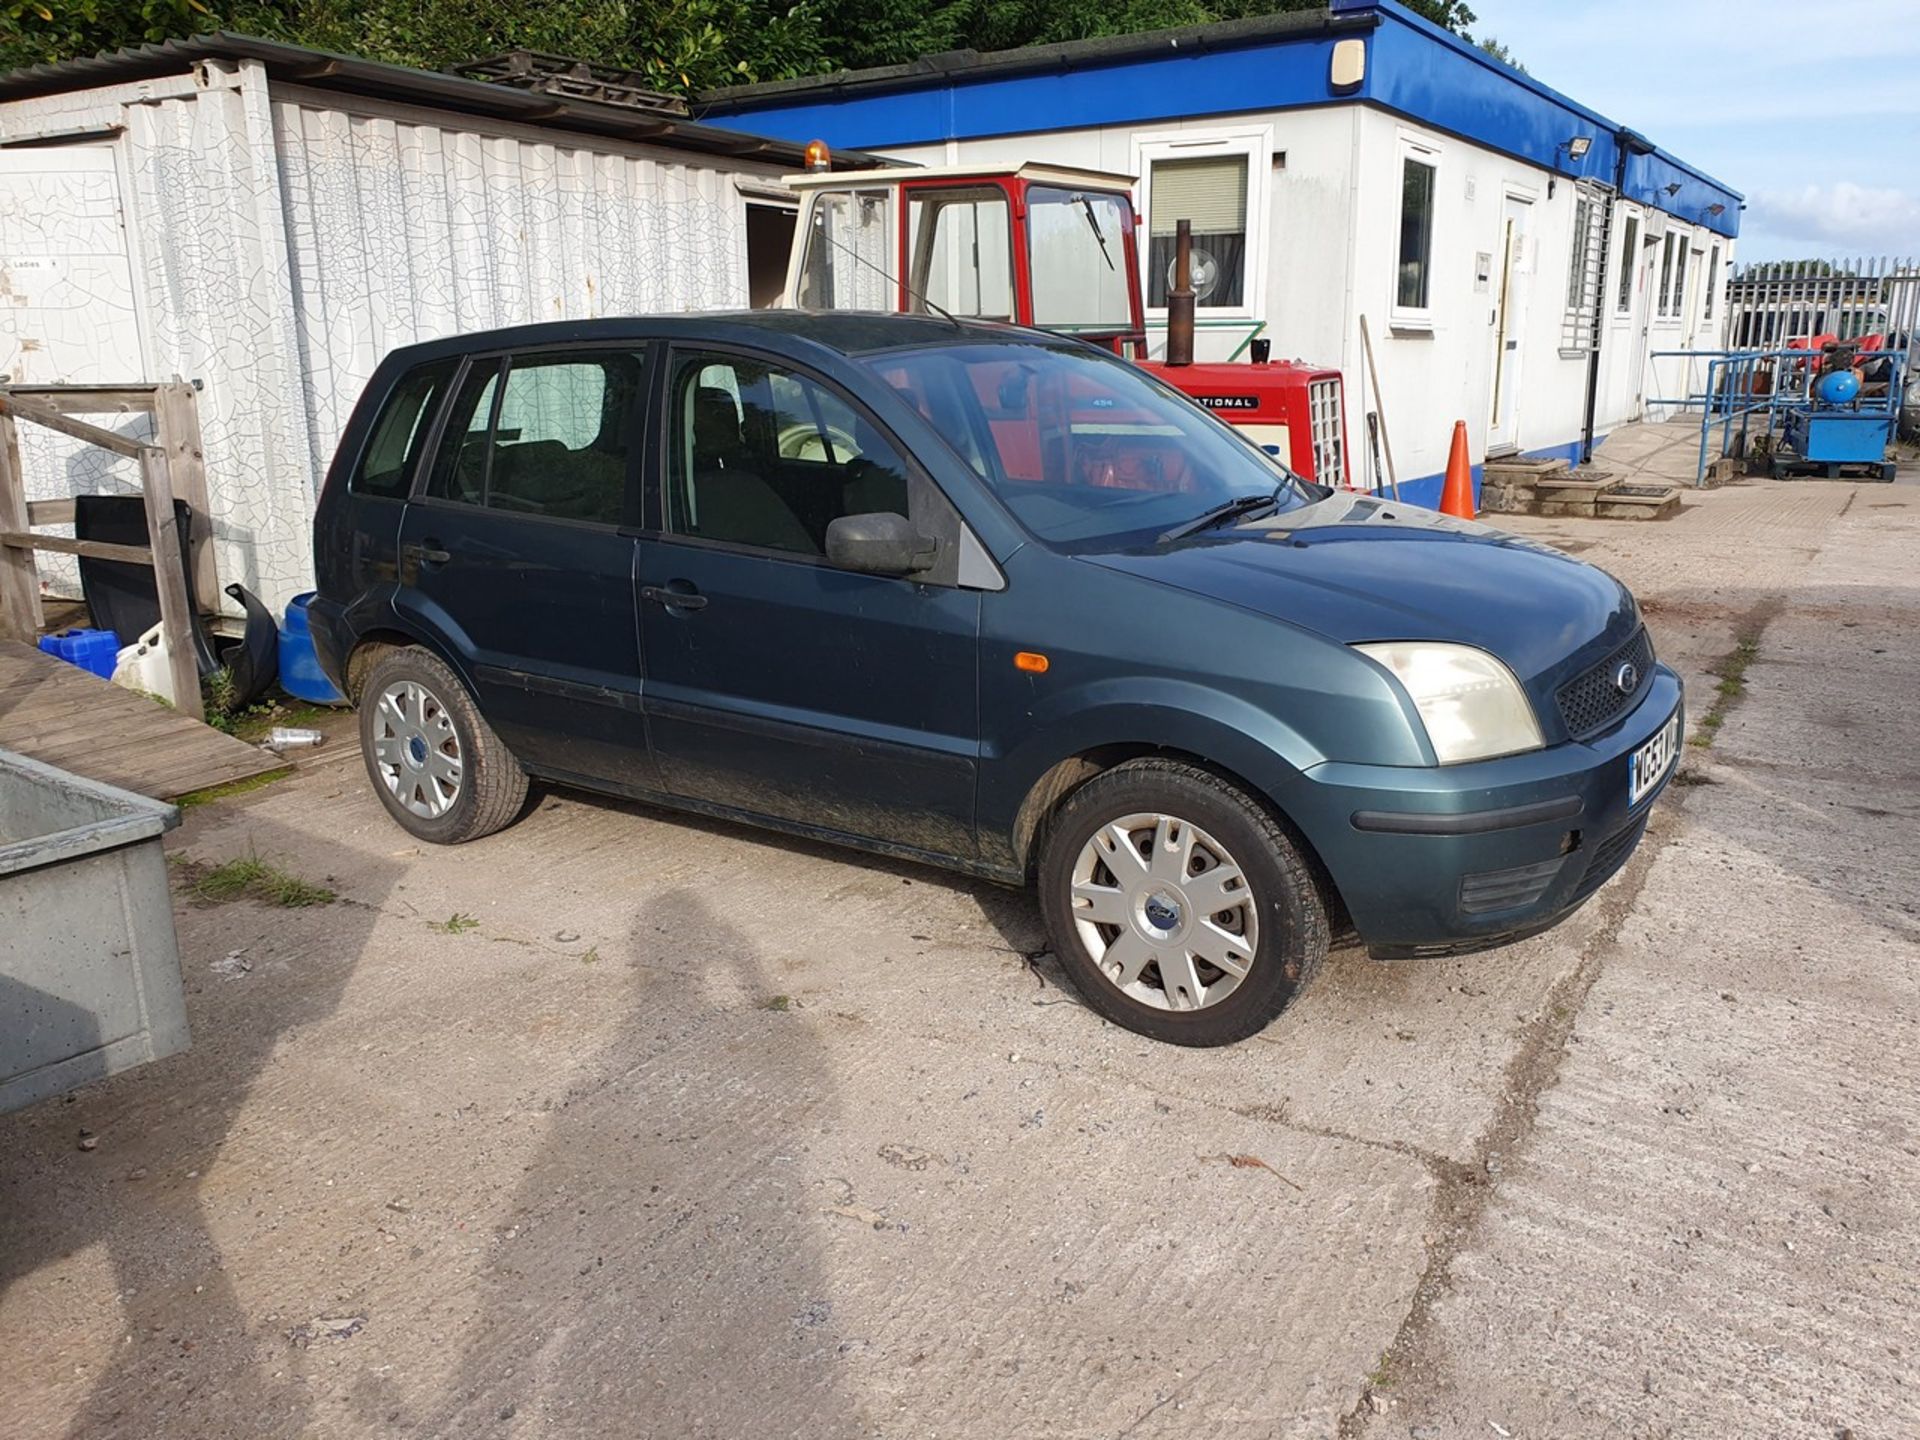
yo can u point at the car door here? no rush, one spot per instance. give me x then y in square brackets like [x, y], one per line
[779, 684]
[517, 552]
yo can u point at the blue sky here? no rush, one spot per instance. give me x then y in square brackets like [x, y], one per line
[1809, 109]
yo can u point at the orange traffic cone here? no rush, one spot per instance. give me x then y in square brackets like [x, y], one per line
[1457, 498]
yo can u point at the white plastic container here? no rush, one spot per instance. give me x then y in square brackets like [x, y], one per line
[143, 665]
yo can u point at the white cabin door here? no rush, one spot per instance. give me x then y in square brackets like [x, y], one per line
[67, 313]
[1514, 261]
[1640, 326]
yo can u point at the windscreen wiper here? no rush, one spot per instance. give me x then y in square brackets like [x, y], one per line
[1098, 234]
[1238, 508]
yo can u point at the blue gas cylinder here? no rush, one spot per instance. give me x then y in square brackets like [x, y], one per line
[1836, 387]
[300, 672]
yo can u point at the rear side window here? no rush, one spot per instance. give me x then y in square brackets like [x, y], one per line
[548, 435]
[400, 434]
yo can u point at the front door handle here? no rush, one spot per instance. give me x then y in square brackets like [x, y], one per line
[673, 599]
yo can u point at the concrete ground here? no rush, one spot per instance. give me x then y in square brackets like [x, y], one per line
[623, 1124]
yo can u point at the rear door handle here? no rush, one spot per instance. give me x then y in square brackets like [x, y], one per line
[673, 599]
[428, 552]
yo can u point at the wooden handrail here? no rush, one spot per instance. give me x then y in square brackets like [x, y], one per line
[90, 549]
[174, 455]
[79, 429]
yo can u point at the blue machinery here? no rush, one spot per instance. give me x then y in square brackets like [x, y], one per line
[1800, 410]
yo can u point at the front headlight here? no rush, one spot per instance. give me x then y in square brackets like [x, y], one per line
[1472, 706]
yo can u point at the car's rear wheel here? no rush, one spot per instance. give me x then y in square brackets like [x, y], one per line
[1179, 907]
[435, 762]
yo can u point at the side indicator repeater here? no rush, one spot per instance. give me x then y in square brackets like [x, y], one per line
[1031, 661]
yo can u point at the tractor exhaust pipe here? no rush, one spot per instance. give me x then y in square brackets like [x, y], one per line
[1180, 297]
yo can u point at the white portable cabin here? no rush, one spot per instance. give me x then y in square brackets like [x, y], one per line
[267, 222]
[1505, 243]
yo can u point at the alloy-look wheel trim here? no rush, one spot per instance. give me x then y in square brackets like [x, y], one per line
[1164, 912]
[416, 749]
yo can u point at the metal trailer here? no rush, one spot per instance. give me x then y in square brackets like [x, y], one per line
[89, 963]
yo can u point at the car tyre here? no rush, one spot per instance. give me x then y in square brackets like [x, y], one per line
[434, 761]
[1196, 841]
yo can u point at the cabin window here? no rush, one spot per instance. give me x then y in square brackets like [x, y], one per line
[1713, 278]
[1673, 275]
[1583, 272]
[1629, 265]
[1419, 168]
[1209, 191]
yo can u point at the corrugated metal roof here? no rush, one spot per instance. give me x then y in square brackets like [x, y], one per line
[323, 70]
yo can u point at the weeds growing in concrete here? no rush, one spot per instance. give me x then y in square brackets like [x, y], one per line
[1732, 677]
[455, 924]
[252, 876]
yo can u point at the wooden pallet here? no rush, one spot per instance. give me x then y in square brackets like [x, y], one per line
[62, 715]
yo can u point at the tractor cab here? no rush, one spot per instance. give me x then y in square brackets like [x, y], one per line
[1040, 245]
[1049, 246]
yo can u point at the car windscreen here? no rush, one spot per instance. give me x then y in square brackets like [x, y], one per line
[1084, 448]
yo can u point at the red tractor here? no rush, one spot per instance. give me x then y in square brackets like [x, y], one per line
[1053, 247]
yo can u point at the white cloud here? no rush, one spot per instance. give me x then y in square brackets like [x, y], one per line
[1857, 218]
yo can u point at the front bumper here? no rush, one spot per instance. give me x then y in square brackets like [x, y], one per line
[1448, 859]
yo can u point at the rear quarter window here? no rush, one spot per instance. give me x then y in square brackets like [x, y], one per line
[399, 437]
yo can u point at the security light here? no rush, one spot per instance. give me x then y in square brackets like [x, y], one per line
[1716, 208]
[1578, 146]
[1674, 188]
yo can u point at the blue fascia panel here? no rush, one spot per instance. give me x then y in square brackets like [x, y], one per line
[1213, 82]
[1435, 78]
[1414, 68]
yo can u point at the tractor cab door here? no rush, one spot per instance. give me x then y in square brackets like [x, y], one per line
[962, 251]
[846, 256]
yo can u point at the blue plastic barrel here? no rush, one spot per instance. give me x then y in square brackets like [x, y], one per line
[94, 650]
[300, 672]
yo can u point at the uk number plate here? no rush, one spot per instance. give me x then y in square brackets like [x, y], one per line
[1651, 761]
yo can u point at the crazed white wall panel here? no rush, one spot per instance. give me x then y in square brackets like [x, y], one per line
[401, 230]
[209, 242]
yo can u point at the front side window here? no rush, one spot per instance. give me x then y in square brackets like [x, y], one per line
[399, 436]
[848, 264]
[764, 456]
[552, 440]
[961, 245]
[1413, 276]
[1209, 191]
[1084, 448]
[1077, 241]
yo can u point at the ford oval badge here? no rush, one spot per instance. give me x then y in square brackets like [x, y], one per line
[1626, 679]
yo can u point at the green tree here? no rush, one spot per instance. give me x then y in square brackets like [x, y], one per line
[680, 45]
[1499, 51]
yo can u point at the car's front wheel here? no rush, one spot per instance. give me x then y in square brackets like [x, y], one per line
[435, 762]
[1179, 906]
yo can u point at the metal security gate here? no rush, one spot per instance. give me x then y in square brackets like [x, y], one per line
[1772, 304]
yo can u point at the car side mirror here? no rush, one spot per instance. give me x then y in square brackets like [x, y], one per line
[881, 543]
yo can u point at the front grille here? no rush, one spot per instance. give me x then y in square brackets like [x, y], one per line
[1323, 422]
[1608, 856]
[1508, 889]
[1591, 701]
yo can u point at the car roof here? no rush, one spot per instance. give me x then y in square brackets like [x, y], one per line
[847, 332]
